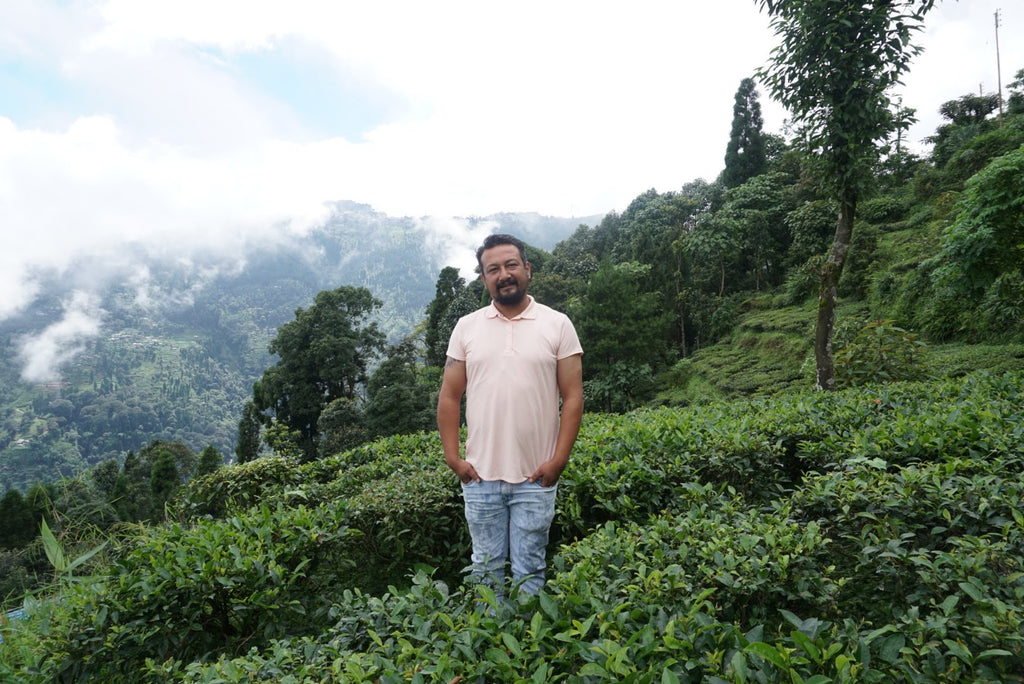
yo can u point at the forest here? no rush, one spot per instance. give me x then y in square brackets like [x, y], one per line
[800, 462]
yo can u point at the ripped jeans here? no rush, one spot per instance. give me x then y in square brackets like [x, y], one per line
[509, 522]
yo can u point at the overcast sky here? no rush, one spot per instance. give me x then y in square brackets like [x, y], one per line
[184, 125]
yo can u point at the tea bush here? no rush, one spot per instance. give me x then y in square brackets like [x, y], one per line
[190, 591]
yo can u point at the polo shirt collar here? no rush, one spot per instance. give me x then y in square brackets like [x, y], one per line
[529, 312]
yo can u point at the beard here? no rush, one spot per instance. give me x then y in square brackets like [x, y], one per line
[510, 298]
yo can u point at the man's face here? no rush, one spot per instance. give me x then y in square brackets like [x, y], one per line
[504, 274]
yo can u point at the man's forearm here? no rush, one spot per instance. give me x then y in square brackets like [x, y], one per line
[568, 430]
[448, 427]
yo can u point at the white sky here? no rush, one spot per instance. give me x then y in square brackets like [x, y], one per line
[180, 126]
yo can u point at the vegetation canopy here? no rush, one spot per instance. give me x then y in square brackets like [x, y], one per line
[872, 534]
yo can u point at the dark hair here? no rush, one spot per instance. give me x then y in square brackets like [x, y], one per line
[500, 239]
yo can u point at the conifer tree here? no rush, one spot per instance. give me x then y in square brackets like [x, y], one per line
[18, 525]
[745, 155]
[248, 446]
[449, 286]
[209, 460]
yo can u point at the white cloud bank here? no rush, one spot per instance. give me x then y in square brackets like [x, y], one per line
[44, 353]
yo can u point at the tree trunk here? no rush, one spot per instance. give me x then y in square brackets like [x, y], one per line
[721, 279]
[827, 294]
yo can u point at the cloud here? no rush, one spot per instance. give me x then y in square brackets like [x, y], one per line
[45, 353]
[457, 239]
[83, 194]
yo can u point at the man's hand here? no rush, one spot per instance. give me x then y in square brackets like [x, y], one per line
[547, 474]
[465, 471]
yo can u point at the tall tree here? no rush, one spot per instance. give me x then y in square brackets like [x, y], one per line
[623, 330]
[323, 355]
[450, 285]
[399, 402]
[833, 69]
[163, 479]
[745, 155]
[209, 460]
[756, 211]
[247, 447]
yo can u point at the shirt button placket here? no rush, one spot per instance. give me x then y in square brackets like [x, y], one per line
[510, 338]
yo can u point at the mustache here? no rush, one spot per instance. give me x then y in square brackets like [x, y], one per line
[508, 281]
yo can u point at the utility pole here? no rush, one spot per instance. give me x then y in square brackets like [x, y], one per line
[999, 73]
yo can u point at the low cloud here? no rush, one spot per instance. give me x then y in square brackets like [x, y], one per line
[456, 240]
[81, 195]
[45, 353]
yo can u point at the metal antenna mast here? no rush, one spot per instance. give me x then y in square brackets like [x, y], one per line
[999, 73]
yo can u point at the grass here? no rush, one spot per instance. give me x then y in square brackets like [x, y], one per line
[771, 352]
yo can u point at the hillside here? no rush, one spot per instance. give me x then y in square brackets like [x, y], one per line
[869, 535]
[177, 360]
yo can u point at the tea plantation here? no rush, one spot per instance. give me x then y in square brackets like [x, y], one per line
[868, 535]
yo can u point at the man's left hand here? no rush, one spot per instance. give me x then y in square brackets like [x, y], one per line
[547, 474]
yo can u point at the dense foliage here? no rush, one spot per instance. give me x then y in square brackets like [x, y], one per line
[323, 356]
[872, 534]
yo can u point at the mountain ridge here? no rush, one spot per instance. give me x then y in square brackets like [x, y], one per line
[169, 348]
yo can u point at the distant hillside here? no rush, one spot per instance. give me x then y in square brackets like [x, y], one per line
[177, 358]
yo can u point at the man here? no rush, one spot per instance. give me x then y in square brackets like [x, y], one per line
[514, 359]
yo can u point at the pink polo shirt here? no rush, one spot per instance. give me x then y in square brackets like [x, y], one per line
[512, 400]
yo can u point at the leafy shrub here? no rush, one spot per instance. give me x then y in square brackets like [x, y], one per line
[974, 156]
[880, 352]
[621, 387]
[886, 209]
[811, 227]
[751, 562]
[984, 241]
[802, 282]
[229, 489]
[185, 592]
[855, 280]
[1002, 307]
[408, 519]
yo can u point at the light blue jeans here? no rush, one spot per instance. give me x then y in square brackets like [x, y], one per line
[509, 522]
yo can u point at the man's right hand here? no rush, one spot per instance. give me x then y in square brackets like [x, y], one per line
[464, 470]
